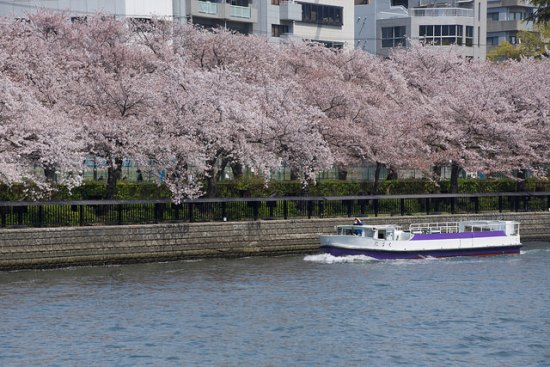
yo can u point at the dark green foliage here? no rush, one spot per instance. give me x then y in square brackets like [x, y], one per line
[542, 13]
[256, 187]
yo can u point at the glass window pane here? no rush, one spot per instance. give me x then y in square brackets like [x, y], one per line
[422, 31]
[387, 32]
[400, 32]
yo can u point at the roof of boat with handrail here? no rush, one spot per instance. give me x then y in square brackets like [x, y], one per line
[373, 226]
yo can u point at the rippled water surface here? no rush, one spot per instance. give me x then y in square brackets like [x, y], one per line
[282, 311]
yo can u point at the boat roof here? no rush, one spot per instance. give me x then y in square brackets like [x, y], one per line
[372, 226]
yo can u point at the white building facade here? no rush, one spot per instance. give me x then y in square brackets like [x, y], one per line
[384, 24]
[82, 8]
[505, 18]
[328, 21]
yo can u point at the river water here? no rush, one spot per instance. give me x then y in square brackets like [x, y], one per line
[282, 311]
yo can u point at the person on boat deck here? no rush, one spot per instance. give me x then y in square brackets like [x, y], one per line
[357, 222]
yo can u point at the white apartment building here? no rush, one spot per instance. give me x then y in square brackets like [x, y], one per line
[381, 25]
[505, 18]
[82, 8]
[328, 21]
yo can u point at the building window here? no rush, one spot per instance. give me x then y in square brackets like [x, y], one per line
[441, 35]
[393, 36]
[516, 15]
[469, 36]
[322, 14]
[492, 17]
[404, 3]
[277, 30]
[332, 44]
[513, 40]
[492, 41]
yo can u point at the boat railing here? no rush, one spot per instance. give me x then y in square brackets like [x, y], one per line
[437, 227]
[490, 226]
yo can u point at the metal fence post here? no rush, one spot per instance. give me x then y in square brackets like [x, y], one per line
[81, 215]
[3, 212]
[453, 203]
[224, 211]
[20, 215]
[500, 204]
[427, 203]
[255, 211]
[348, 204]
[285, 209]
[321, 209]
[309, 209]
[402, 206]
[41, 216]
[190, 214]
[119, 214]
[476, 205]
[363, 204]
[177, 208]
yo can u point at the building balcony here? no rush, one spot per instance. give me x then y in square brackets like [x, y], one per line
[221, 10]
[508, 3]
[509, 26]
[442, 12]
[289, 10]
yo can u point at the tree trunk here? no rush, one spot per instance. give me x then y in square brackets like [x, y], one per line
[520, 186]
[210, 186]
[342, 173]
[293, 175]
[237, 169]
[392, 173]
[49, 173]
[455, 169]
[221, 171]
[376, 187]
[114, 174]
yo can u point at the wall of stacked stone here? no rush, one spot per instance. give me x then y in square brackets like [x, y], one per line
[74, 246]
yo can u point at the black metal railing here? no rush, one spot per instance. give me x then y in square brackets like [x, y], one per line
[122, 212]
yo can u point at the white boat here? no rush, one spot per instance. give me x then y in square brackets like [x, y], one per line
[422, 240]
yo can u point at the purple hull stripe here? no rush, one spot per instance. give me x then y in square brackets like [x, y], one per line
[390, 255]
[448, 236]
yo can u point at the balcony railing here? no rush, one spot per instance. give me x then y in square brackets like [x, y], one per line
[207, 7]
[443, 12]
[240, 11]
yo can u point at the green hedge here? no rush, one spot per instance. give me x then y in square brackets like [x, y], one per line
[256, 187]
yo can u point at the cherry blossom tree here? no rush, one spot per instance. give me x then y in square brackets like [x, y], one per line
[45, 138]
[112, 92]
[196, 101]
[33, 137]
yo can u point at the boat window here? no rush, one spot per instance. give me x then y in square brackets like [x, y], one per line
[350, 231]
[381, 234]
[369, 233]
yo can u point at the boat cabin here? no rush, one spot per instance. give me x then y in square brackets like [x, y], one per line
[378, 232]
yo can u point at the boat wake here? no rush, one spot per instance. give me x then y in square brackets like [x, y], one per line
[329, 259]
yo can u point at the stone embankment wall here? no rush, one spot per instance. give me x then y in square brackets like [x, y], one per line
[58, 247]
